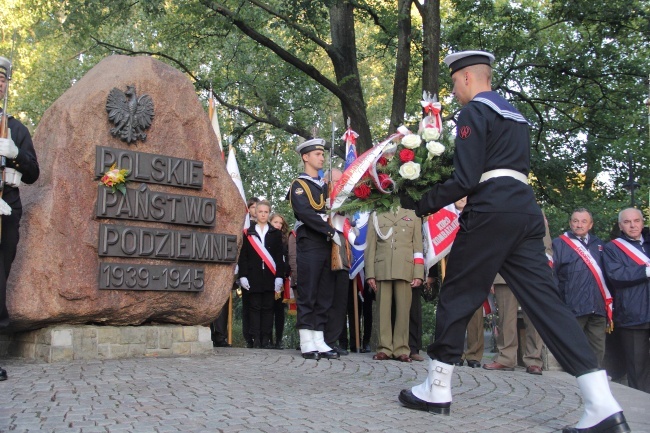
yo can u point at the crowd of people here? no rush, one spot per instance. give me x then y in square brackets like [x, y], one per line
[571, 293]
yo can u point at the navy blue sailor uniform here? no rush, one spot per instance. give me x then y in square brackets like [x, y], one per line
[315, 279]
[501, 230]
[27, 164]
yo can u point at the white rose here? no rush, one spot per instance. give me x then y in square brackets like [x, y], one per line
[430, 134]
[411, 141]
[435, 148]
[410, 170]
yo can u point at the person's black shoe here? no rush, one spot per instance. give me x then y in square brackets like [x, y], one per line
[615, 423]
[223, 343]
[278, 346]
[339, 350]
[249, 344]
[3, 374]
[459, 363]
[473, 364]
[311, 355]
[409, 400]
[365, 348]
[332, 354]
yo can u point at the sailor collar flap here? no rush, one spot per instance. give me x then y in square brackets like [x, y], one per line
[500, 106]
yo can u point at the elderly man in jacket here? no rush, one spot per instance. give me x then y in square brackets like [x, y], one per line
[578, 263]
[627, 265]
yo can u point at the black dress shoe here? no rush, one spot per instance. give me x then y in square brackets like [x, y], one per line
[332, 354]
[250, 344]
[615, 423]
[3, 374]
[409, 400]
[365, 348]
[311, 355]
[339, 350]
[279, 346]
[473, 364]
[223, 343]
[459, 363]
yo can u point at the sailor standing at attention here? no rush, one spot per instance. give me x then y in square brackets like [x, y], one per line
[314, 237]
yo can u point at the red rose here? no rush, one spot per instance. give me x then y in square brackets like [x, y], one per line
[384, 180]
[382, 161]
[362, 191]
[406, 155]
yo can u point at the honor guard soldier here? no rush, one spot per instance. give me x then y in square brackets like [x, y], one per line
[18, 165]
[501, 230]
[314, 237]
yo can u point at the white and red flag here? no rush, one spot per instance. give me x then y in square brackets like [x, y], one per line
[233, 171]
[214, 120]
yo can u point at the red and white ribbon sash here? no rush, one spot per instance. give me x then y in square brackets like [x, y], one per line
[439, 233]
[591, 263]
[632, 252]
[264, 254]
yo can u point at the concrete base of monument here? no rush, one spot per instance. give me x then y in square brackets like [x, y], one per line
[69, 342]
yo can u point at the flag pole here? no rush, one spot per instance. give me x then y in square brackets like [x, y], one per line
[230, 318]
[355, 295]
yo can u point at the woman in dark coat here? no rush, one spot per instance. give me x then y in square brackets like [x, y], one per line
[261, 269]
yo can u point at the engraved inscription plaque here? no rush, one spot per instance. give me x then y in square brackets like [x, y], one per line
[132, 276]
[154, 206]
[151, 168]
[155, 243]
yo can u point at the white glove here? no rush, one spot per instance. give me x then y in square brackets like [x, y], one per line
[243, 281]
[5, 209]
[8, 148]
[336, 239]
[278, 285]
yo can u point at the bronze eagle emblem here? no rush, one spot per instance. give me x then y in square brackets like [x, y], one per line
[130, 115]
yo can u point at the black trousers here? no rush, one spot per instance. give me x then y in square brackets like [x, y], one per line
[219, 327]
[245, 315]
[364, 311]
[315, 284]
[415, 320]
[278, 319]
[636, 347]
[8, 246]
[261, 317]
[336, 315]
[511, 244]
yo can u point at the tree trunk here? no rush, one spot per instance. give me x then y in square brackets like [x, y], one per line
[344, 59]
[403, 61]
[431, 46]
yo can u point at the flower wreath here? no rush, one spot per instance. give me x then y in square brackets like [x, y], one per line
[413, 165]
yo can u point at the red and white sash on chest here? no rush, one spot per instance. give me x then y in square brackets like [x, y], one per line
[632, 252]
[591, 263]
[261, 250]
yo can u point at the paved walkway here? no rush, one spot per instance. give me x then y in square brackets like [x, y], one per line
[245, 390]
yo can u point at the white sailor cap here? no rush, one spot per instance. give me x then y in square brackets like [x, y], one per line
[463, 59]
[4, 64]
[311, 145]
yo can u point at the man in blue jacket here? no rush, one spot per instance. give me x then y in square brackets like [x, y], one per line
[627, 265]
[578, 263]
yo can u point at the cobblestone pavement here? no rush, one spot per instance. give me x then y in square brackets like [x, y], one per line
[245, 390]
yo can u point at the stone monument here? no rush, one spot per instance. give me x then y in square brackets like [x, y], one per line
[163, 251]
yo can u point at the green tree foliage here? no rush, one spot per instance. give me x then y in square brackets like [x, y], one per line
[576, 69]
